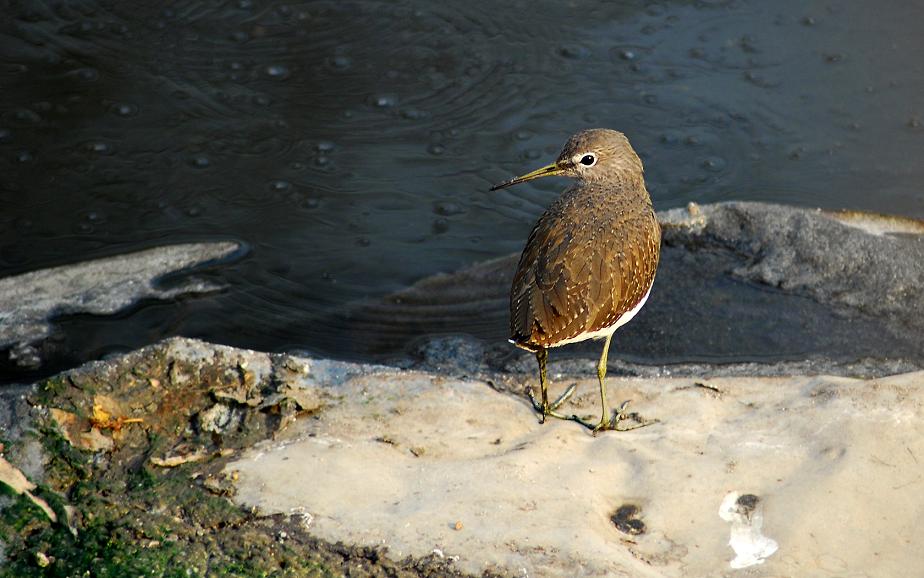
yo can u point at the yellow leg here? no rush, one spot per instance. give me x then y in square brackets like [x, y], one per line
[543, 406]
[608, 422]
[601, 376]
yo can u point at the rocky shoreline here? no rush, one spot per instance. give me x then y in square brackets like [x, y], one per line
[740, 284]
[225, 462]
[189, 458]
[129, 454]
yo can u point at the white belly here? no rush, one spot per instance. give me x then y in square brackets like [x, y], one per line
[607, 331]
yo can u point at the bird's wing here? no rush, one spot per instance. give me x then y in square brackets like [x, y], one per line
[575, 278]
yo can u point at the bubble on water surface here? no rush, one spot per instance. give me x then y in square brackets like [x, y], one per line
[278, 71]
[125, 109]
[26, 116]
[440, 226]
[670, 137]
[413, 114]
[85, 74]
[573, 52]
[101, 148]
[447, 209]
[384, 100]
[713, 164]
[341, 62]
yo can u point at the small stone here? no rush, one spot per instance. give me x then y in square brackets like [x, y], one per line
[42, 559]
[457, 526]
[216, 419]
[626, 520]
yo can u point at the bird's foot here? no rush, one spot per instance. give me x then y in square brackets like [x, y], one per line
[619, 420]
[544, 408]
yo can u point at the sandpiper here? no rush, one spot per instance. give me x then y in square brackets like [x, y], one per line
[590, 261]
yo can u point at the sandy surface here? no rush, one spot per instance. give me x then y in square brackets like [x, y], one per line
[828, 472]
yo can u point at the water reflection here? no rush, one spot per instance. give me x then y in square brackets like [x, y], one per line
[351, 144]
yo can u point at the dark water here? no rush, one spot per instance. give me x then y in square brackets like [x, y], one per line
[351, 145]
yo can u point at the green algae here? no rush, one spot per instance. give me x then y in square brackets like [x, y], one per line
[121, 515]
[132, 518]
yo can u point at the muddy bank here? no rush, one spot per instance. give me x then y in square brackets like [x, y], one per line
[741, 285]
[749, 288]
[31, 302]
[128, 455]
[191, 457]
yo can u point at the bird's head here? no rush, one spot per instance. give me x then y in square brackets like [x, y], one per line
[591, 155]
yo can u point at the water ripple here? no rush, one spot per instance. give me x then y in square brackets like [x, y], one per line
[353, 143]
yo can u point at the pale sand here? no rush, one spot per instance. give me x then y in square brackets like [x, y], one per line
[837, 464]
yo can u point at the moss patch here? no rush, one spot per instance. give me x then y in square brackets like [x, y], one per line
[133, 518]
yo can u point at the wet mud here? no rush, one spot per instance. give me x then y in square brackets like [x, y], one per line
[738, 283]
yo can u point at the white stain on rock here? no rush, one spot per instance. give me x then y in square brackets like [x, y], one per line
[746, 517]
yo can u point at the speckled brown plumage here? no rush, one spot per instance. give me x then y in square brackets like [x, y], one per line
[591, 257]
[590, 261]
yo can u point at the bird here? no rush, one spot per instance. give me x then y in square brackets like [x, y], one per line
[589, 262]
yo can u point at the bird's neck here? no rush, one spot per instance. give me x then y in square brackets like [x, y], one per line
[627, 187]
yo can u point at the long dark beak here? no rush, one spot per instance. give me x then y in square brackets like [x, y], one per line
[546, 171]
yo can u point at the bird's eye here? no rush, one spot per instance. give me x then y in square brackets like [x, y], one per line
[588, 160]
